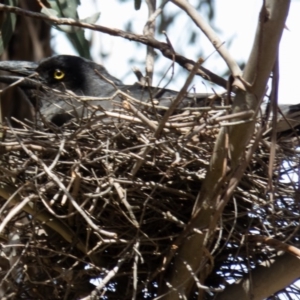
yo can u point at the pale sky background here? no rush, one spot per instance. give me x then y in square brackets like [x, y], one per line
[235, 19]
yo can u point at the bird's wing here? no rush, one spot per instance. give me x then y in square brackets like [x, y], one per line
[105, 85]
[161, 97]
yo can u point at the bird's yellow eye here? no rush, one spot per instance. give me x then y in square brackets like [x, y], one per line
[58, 74]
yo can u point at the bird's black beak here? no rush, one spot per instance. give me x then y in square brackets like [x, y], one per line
[24, 73]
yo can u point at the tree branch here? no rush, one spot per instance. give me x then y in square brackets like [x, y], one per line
[230, 144]
[164, 48]
[211, 35]
[265, 280]
[149, 30]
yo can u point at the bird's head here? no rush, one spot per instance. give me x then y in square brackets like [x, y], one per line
[79, 75]
[73, 73]
[64, 72]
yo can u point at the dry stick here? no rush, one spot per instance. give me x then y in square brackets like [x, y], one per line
[147, 122]
[278, 245]
[200, 286]
[64, 189]
[135, 269]
[12, 199]
[149, 41]
[104, 281]
[166, 116]
[73, 201]
[59, 153]
[141, 117]
[10, 193]
[52, 251]
[274, 104]
[16, 262]
[263, 54]
[177, 100]
[157, 12]
[119, 92]
[123, 199]
[231, 229]
[234, 180]
[26, 79]
[149, 30]
[211, 35]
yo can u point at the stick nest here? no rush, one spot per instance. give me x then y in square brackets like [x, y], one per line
[107, 197]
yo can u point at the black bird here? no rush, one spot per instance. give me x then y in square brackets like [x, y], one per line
[82, 77]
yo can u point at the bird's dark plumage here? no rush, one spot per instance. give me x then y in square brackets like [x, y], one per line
[81, 77]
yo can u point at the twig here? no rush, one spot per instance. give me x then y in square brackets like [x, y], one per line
[212, 36]
[104, 281]
[149, 41]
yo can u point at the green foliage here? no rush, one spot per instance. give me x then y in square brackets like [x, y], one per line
[137, 4]
[68, 9]
[8, 23]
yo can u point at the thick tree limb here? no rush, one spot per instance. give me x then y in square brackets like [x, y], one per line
[149, 29]
[230, 143]
[265, 280]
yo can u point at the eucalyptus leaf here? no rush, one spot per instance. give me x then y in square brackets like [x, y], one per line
[54, 13]
[68, 9]
[49, 12]
[137, 4]
[91, 19]
[7, 23]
